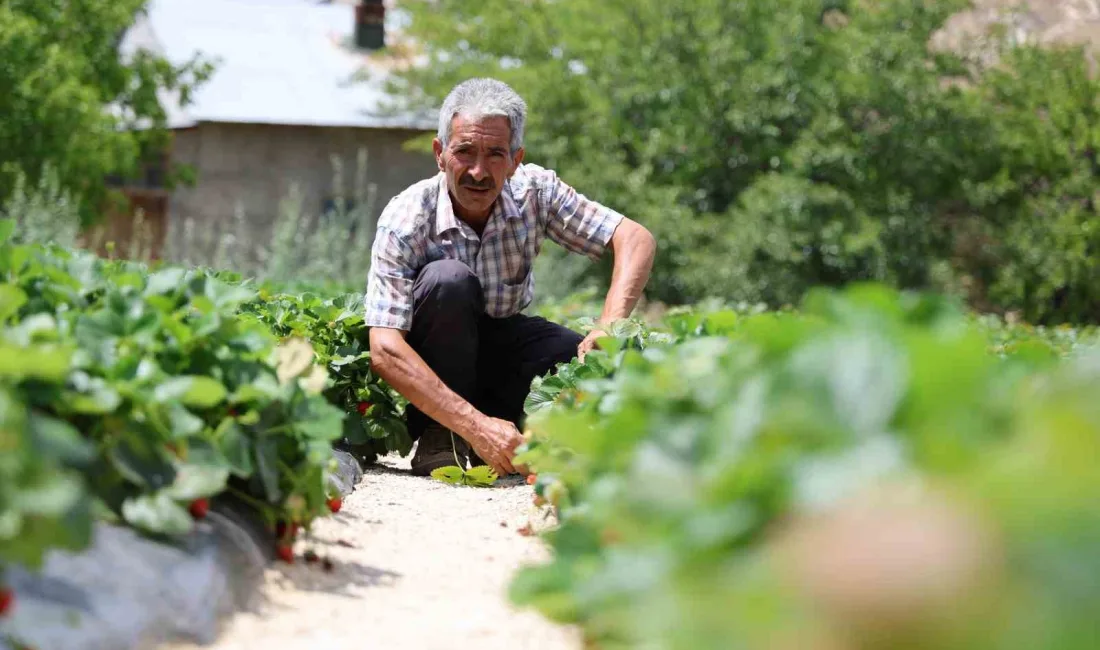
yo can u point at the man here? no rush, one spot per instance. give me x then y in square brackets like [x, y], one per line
[451, 271]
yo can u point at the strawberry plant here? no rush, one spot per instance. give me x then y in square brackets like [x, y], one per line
[861, 473]
[374, 424]
[43, 460]
[145, 391]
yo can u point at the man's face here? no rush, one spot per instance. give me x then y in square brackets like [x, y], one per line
[477, 161]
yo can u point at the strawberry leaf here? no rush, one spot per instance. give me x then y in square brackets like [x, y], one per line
[157, 514]
[451, 474]
[481, 476]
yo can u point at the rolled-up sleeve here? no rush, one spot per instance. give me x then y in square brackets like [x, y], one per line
[390, 282]
[578, 223]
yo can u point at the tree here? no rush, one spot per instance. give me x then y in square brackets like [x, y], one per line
[71, 105]
[774, 147]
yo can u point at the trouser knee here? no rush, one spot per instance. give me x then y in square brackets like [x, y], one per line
[447, 288]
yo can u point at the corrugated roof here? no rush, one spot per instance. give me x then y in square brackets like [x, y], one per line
[277, 62]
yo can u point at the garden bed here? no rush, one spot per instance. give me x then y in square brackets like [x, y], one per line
[129, 592]
[169, 411]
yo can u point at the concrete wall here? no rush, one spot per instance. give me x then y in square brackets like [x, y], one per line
[253, 167]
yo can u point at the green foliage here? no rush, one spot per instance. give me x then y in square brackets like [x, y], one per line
[143, 390]
[773, 148]
[374, 423]
[72, 104]
[876, 470]
[480, 476]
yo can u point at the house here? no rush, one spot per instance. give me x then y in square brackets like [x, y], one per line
[295, 94]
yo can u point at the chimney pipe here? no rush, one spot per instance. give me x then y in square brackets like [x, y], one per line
[370, 32]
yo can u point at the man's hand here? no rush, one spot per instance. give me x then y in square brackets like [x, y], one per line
[495, 442]
[589, 343]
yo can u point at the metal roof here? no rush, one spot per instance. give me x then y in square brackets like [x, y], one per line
[276, 62]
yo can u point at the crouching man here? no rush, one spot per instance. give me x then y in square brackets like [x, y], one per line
[451, 271]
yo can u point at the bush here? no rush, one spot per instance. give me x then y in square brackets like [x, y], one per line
[861, 473]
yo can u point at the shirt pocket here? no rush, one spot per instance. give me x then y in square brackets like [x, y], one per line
[506, 298]
[516, 254]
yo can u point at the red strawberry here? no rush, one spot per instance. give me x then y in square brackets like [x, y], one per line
[362, 407]
[531, 478]
[281, 530]
[199, 508]
[232, 412]
[335, 503]
[7, 599]
[285, 552]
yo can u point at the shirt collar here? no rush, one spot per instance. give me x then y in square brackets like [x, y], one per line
[445, 218]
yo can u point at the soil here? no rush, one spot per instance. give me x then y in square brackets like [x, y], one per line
[415, 563]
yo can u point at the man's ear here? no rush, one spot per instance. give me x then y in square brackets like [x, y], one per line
[517, 159]
[437, 147]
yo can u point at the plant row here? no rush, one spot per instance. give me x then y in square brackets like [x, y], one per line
[877, 470]
[140, 395]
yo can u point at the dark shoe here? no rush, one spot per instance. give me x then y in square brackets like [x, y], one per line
[436, 449]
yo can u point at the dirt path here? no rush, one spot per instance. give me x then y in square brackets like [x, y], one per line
[418, 564]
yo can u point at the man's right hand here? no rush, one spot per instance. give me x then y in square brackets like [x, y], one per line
[495, 442]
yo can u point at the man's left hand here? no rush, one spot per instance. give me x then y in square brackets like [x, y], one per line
[589, 343]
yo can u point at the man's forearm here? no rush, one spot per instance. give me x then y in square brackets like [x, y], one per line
[634, 249]
[403, 369]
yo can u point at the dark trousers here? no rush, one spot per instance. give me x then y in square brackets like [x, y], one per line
[489, 361]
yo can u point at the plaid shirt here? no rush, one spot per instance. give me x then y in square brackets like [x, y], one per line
[419, 226]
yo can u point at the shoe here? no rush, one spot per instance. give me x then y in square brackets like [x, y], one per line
[436, 449]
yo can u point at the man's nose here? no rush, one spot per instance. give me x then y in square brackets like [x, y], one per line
[480, 169]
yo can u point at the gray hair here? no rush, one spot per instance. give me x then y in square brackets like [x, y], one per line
[478, 98]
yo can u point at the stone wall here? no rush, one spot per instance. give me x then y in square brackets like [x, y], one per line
[251, 168]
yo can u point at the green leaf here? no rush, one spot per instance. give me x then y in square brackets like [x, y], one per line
[267, 462]
[194, 481]
[7, 228]
[97, 398]
[55, 438]
[158, 514]
[223, 294]
[166, 281]
[263, 387]
[354, 429]
[46, 363]
[451, 474]
[481, 476]
[11, 299]
[237, 450]
[184, 423]
[191, 390]
[52, 496]
[139, 461]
